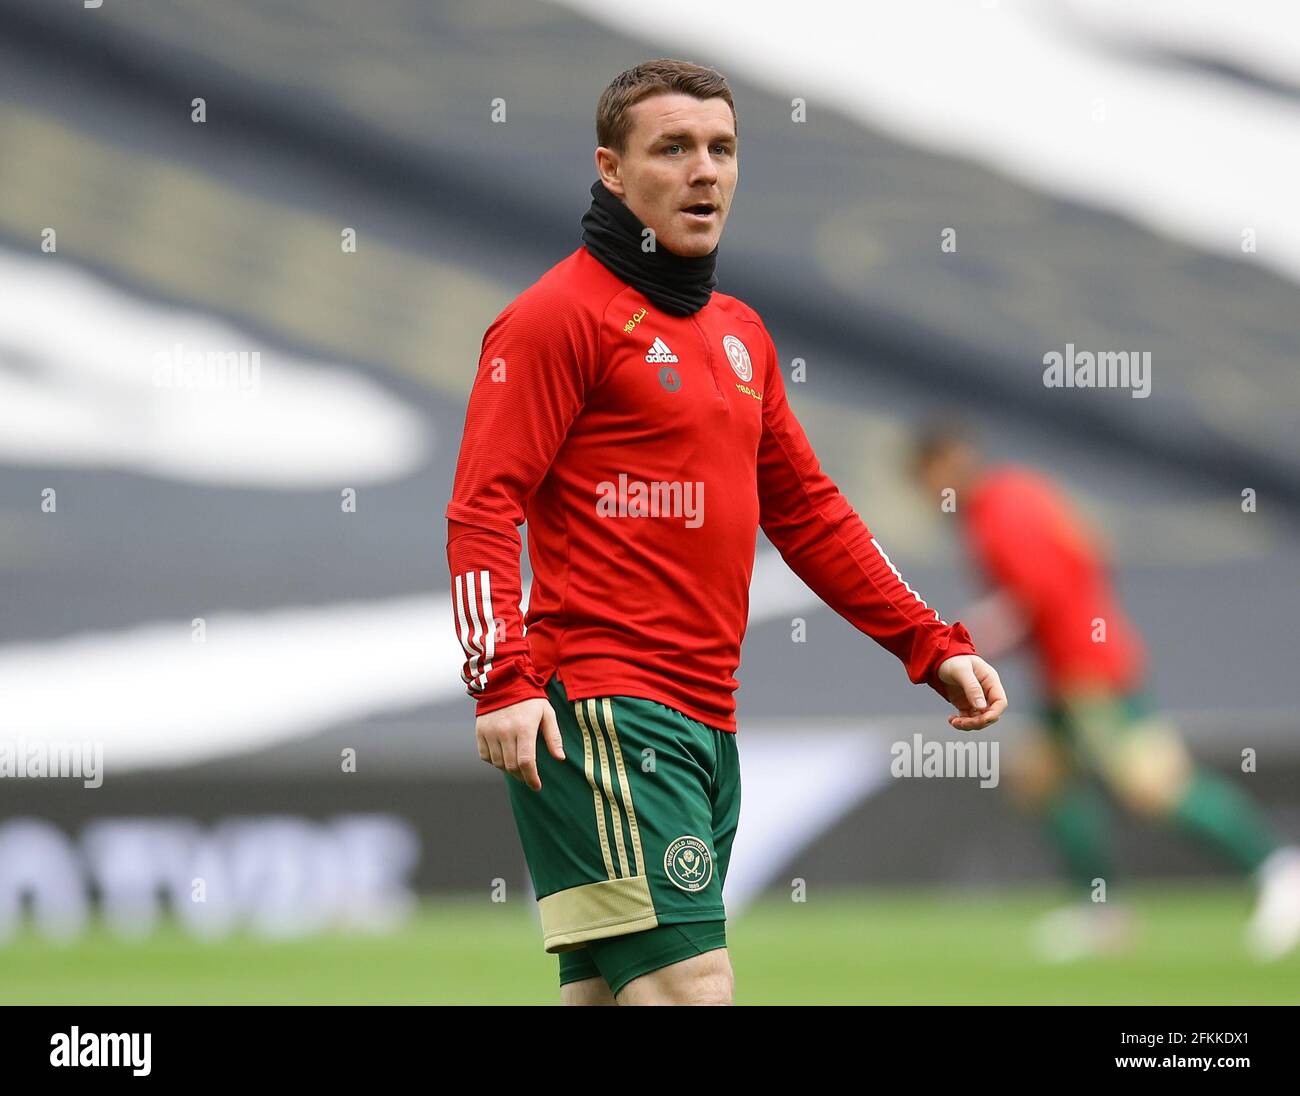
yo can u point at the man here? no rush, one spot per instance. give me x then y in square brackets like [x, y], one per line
[1051, 586]
[637, 420]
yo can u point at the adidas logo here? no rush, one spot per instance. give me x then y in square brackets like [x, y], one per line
[660, 352]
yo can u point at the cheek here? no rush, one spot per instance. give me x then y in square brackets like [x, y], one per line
[661, 194]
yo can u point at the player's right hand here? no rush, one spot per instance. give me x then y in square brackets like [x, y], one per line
[507, 738]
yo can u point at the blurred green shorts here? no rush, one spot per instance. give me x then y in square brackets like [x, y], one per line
[1095, 717]
[1110, 733]
[629, 839]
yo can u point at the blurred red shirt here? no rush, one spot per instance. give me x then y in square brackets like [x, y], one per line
[1032, 544]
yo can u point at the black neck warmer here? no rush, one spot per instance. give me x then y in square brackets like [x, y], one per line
[612, 233]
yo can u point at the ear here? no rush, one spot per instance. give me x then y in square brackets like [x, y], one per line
[609, 168]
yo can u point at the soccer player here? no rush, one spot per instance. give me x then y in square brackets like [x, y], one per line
[637, 420]
[1050, 586]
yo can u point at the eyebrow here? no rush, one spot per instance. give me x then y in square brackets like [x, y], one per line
[728, 138]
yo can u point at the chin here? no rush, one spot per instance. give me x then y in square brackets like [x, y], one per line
[692, 247]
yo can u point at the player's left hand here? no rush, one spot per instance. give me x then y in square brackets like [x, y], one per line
[974, 689]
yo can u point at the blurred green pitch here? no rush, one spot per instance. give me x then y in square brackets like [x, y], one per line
[846, 947]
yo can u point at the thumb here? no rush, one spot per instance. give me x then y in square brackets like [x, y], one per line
[551, 732]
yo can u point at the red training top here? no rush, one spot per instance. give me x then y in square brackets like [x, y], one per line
[645, 450]
[1031, 543]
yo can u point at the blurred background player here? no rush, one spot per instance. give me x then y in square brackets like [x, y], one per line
[1051, 588]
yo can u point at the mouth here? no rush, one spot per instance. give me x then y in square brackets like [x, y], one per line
[700, 212]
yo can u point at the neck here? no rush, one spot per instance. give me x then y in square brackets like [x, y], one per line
[678, 284]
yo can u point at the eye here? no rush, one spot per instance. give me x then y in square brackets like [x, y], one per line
[671, 147]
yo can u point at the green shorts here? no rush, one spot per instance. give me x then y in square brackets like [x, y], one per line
[1097, 728]
[629, 839]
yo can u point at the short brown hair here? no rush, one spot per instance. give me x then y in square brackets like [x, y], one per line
[937, 436]
[665, 75]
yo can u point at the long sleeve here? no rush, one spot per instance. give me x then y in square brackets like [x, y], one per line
[532, 378]
[828, 545]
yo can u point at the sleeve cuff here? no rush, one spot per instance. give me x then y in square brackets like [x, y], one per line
[959, 643]
[514, 696]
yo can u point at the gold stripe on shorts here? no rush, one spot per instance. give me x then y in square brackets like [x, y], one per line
[587, 764]
[615, 814]
[623, 784]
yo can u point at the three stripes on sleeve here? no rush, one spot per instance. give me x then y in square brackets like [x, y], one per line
[475, 627]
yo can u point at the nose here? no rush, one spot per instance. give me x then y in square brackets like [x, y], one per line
[703, 169]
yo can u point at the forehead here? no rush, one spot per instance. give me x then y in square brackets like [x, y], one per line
[678, 113]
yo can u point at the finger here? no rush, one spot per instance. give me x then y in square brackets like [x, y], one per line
[483, 751]
[510, 754]
[996, 694]
[970, 721]
[970, 686]
[526, 752]
[551, 732]
[494, 752]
